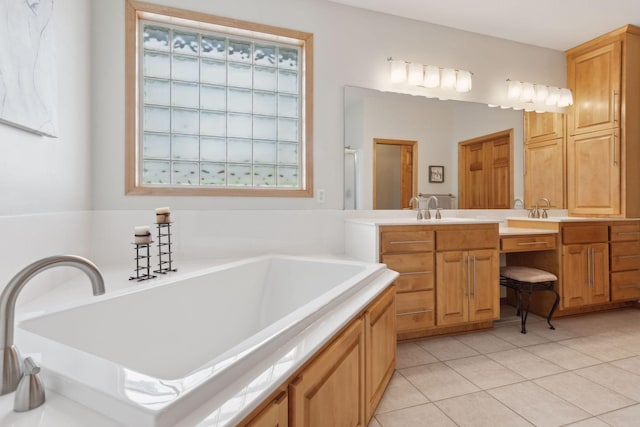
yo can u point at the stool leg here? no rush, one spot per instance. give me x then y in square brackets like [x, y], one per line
[553, 309]
[525, 313]
[518, 301]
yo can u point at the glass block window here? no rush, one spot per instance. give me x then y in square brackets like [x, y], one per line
[219, 108]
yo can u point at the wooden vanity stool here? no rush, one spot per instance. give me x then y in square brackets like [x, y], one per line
[529, 280]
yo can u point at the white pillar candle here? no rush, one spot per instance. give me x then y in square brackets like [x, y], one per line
[142, 234]
[163, 215]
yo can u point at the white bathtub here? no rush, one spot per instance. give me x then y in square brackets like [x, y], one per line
[152, 355]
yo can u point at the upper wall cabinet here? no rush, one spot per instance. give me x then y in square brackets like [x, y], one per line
[603, 125]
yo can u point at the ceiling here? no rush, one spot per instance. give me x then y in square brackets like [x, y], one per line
[554, 24]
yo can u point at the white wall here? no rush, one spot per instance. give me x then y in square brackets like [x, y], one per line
[351, 48]
[39, 174]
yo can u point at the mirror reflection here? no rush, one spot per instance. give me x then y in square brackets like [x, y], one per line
[376, 121]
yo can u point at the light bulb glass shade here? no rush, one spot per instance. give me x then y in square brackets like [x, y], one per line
[431, 76]
[554, 94]
[448, 79]
[565, 99]
[528, 92]
[542, 92]
[415, 74]
[398, 71]
[463, 81]
[514, 90]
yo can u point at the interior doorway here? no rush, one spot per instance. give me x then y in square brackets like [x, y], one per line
[395, 178]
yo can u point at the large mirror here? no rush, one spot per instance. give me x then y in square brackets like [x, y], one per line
[436, 126]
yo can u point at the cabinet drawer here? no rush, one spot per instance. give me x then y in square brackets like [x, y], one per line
[625, 285]
[527, 243]
[415, 311]
[406, 241]
[586, 234]
[410, 302]
[625, 256]
[620, 232]
[452, 240]
[416, 270]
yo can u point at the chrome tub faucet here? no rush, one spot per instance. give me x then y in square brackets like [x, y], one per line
[11, 367]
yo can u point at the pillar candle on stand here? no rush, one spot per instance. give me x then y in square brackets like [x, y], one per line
[142, 234]
[163, 215]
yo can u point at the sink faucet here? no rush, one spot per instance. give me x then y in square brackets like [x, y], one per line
[518, 201]
[536, 211]
[428, 213]
[11, 367]
[416, 206]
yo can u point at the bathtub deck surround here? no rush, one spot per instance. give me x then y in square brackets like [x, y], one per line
[114, 368]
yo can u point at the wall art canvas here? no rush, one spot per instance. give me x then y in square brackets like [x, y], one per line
[28, 78]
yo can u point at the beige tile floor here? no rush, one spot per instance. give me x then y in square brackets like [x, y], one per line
[585, 373]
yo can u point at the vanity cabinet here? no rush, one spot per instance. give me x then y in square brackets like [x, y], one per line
[544, 154]
[604, 136]
[467, 280]
[625, 261]
[409, 250]
[585, 264]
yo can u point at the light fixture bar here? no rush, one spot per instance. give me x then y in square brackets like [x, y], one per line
[430, 76]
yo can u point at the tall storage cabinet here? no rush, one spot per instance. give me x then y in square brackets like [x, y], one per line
[603, 147]
[544, 154]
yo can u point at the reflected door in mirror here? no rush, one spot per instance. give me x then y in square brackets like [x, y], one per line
[395, 181]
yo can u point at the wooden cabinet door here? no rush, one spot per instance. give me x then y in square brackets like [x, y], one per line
[599, 273]
[453, 283]
[380, 339]
[276, 414]
[543, 126]
[484, 301]
[544, 173]
[593, 173]
[575, 286]
[594, 77]
[330, 391]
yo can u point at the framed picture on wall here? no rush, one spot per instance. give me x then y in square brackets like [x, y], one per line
[436, 174]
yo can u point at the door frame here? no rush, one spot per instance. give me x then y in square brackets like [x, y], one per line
[414, 166]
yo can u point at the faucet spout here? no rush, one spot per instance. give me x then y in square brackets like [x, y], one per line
[11, 369]
[435, 199]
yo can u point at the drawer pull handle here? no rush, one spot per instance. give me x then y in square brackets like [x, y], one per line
[635, 285]
[408, 242]
[628, 256]
[413, 273]
[414, 312]
[532, 243]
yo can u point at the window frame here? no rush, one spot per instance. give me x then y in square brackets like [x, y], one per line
[135, 12]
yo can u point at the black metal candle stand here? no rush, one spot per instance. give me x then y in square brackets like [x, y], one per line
[143, 265]
[165, 262]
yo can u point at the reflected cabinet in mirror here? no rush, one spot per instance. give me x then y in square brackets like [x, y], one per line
[438, 128]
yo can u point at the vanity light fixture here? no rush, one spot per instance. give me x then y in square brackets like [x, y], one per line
[535, 97]
[430, 76]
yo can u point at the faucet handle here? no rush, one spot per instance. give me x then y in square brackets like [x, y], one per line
[544, 213]
[30, 391]
[427, 214]
[438, 214]
[420, 215]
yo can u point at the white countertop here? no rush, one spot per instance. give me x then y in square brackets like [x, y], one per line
[413, 221]
[571, 219]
